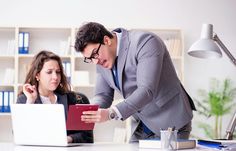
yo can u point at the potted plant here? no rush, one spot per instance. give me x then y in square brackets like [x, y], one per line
[216, 103]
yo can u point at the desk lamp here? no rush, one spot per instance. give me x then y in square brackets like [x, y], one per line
[206, 47]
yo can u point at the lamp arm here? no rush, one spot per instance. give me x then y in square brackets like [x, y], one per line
[231, 128]
[220, 43]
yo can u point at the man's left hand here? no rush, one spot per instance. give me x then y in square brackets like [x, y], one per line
[99, 116]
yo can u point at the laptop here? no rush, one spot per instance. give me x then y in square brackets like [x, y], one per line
[39, 124]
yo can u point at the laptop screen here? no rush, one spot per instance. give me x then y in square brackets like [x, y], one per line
[39, 124]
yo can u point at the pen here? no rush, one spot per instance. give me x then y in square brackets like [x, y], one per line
[171, 132]
[173, 129]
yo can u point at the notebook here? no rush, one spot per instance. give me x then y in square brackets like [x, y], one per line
[39, 124]
[156, 143]
[74, 117]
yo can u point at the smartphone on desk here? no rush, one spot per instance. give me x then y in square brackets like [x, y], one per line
[74, 117]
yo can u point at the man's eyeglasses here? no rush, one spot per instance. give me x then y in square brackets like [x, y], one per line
[94, 55]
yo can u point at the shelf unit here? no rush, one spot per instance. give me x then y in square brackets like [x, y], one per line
[13, 66]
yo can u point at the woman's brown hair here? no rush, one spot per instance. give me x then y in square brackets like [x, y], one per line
[37, 65]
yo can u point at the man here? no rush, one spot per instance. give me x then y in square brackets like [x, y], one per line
[137, 65]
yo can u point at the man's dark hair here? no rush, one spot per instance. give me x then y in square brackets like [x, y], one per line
[90, 33]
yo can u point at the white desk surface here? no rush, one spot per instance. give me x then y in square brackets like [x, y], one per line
[87, 147]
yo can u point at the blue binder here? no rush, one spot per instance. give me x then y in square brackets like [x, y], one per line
[23, 42]
[26, 42]
[1, 101]
[6, 102]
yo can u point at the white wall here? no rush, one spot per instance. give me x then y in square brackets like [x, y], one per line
[187, 15]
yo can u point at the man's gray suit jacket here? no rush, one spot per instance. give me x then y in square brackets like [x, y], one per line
[148, 83]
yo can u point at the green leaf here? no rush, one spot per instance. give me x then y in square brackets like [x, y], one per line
[216, 102]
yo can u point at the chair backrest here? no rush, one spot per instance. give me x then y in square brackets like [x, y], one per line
[84, 98]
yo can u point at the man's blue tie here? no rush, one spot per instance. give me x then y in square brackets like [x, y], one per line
[115, 74]
[146, 129]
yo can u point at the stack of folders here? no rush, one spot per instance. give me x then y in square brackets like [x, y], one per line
[23, 42]
[156, 143]
[218, 144]
[6, 98]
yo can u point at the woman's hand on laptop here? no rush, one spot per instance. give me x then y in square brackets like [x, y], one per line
[69, 139]
[101, 115]
[30, 93]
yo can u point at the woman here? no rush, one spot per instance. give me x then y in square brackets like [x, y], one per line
[46, 83]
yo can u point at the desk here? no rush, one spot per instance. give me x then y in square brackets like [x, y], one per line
[87, 147]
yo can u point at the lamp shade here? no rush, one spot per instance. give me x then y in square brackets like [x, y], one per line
[205, 47]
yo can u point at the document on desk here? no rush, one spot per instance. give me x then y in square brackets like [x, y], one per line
[214, 143]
